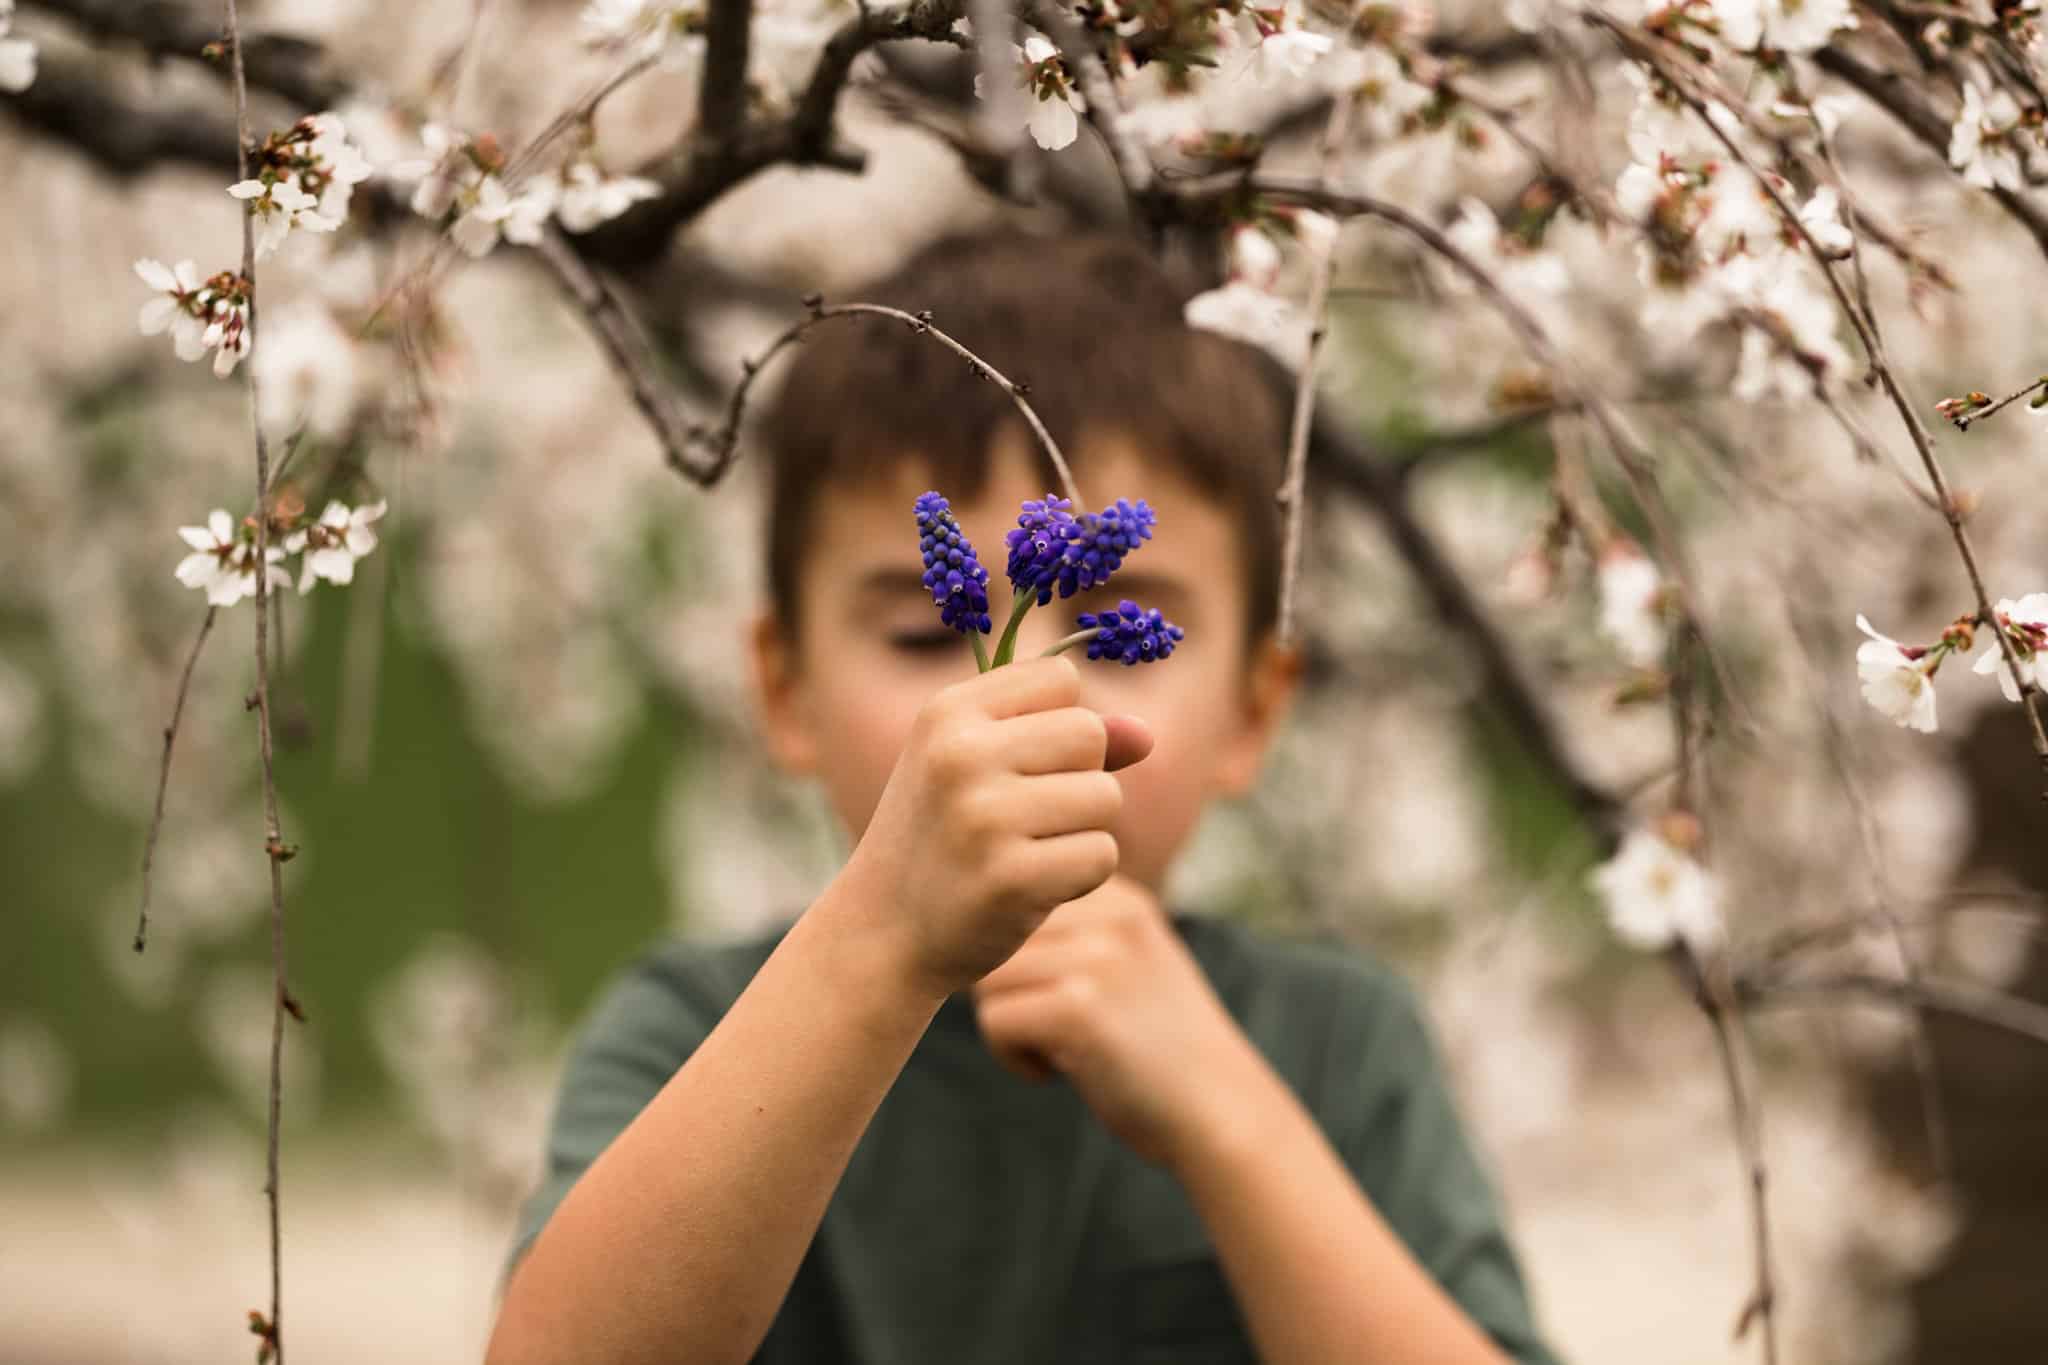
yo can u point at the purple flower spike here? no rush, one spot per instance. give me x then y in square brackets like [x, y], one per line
[1130, 634]
[1044, 529]
[958, 583]
[1099, 547]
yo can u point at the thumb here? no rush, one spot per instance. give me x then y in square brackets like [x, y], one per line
[1130, 739]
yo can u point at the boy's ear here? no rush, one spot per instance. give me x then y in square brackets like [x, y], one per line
[778, 710]
[1272, 676]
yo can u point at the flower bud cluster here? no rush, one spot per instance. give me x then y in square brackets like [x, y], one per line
[958, 583]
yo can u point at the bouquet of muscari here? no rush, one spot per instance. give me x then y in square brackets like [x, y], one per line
[1051, 551]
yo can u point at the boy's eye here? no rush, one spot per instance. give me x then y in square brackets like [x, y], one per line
[924, 641]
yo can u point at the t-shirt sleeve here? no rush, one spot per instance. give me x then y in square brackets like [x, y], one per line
[1404, 1142]
[640, 1031]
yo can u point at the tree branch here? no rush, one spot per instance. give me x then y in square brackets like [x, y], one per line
[722, 101]
[292, 67]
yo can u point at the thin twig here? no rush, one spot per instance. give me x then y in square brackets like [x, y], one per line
[163, 777]
[1959, 998]
[273, 835]
[1749, 1138]
[1294, 486]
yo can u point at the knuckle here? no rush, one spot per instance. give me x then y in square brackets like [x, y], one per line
[978, 814]
[952, 752]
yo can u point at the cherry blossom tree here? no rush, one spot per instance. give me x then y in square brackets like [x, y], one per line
[1744, 274]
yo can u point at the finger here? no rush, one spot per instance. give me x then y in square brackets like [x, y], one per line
[1030, 685]
[1130, 739]
[1069, 739]
[1037, 963]
[1065, 867]
[1061, 803]
[1022, 1030]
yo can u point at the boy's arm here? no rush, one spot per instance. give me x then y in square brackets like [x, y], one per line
[1109, 995]
[1319, 1274]
[681, 1239]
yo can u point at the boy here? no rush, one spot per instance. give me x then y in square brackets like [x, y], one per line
[985, 1100]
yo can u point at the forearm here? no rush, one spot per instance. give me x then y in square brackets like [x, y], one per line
[681, 1240]
[1318, 1273]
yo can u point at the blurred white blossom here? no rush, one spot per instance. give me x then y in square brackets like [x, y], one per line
[1786, 25]
[1655, 894]
[1983, 142]
[590, 197]
[17, 55]
[307, 370]
[1896, 681]
[1249, 313]
[1631, 603]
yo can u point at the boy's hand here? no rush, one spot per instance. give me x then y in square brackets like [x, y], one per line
[997, 810]
[1107, 994]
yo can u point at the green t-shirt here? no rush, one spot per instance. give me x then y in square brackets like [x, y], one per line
[983, 1219]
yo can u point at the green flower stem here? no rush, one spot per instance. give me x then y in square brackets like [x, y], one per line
[1079, 637]
[1006, 648]
[981, 664]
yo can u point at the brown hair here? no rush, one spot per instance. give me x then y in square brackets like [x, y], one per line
[1093, 325]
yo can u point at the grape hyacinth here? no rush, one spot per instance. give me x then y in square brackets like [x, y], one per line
[958, 583]
[1051, 549]
[1130, 634]
[1044, 528]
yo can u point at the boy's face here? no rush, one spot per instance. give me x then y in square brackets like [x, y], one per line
[838, 703]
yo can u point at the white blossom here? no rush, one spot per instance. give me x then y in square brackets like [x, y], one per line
[1054, 101]
[17, 55]
[590, 197]
[1631, 594]
[1656, 894]
[224, 565]
[491, 210]
[280, 206]
[1285, 54]
[333, 544]
[1385, 99]
[1981, 145]
[1895, 682]
[179, 290]
[2028, 611]
[227, 334]
[201, 314]
[1822, 217]
[1245, 311]
[341, 160]
[446, 170]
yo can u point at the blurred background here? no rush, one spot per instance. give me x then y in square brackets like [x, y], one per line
[516, 752]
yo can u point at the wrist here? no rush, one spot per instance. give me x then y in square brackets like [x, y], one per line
[866, 939]
[1235, 1114]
